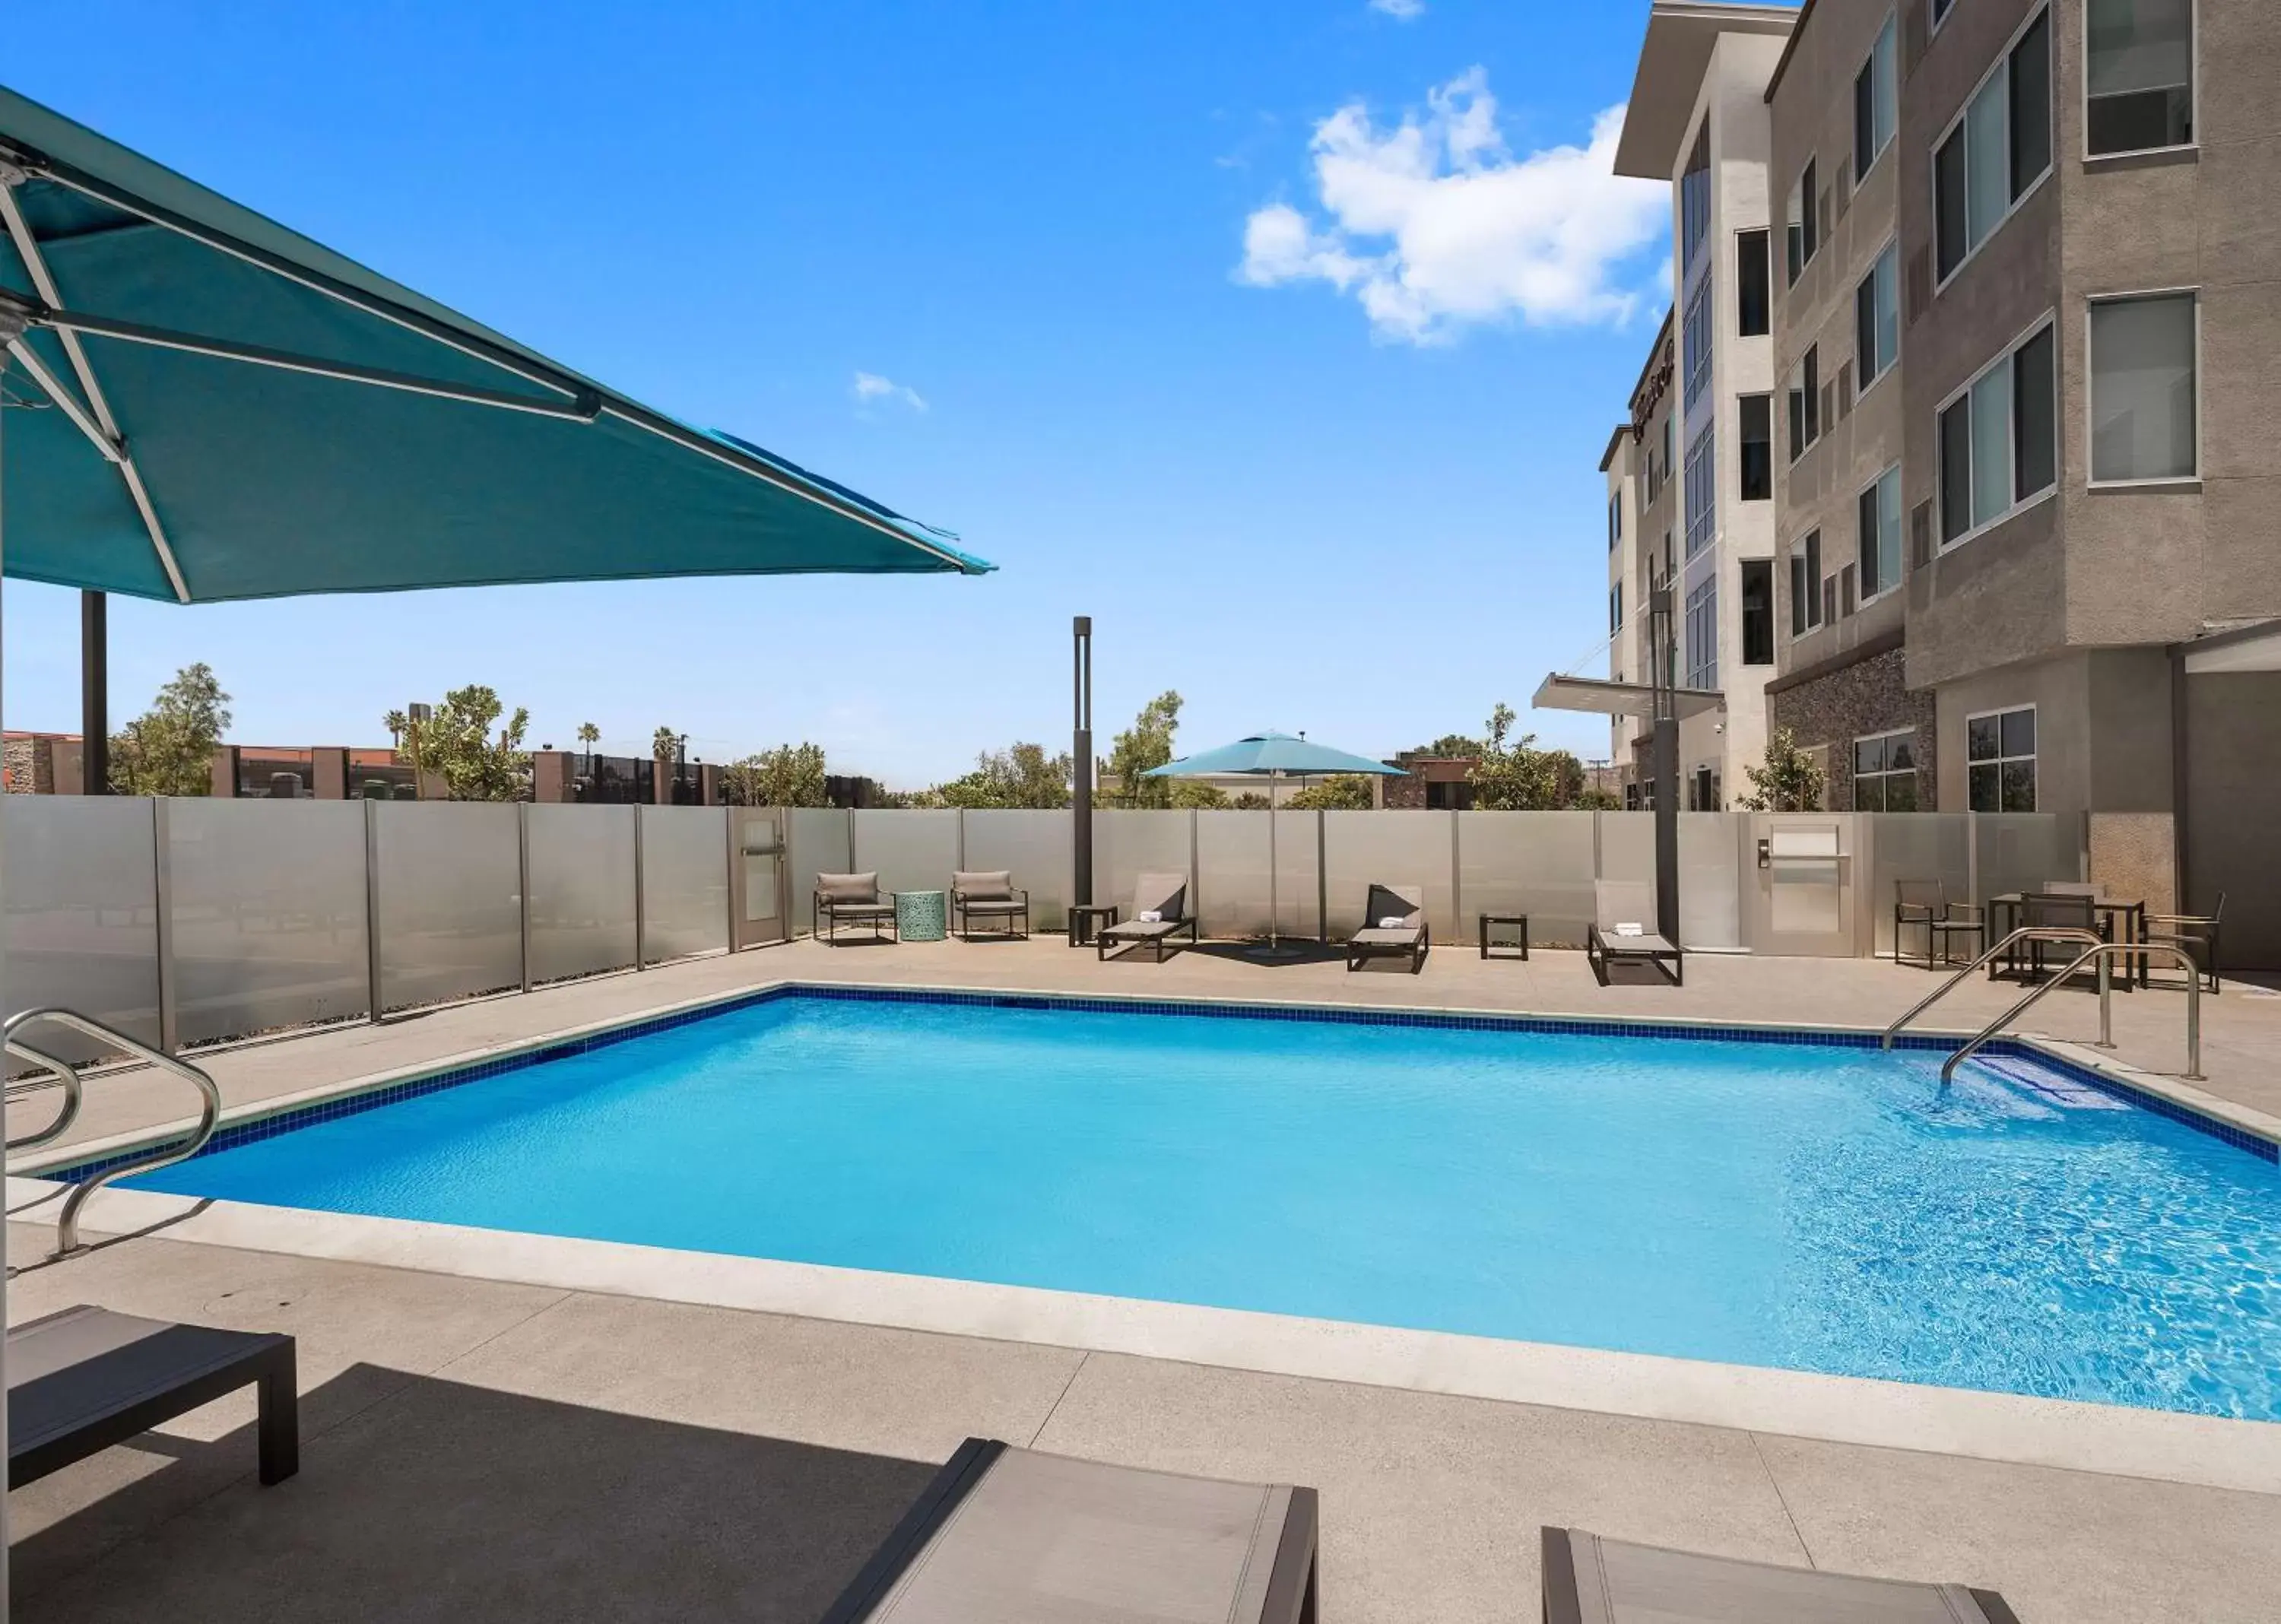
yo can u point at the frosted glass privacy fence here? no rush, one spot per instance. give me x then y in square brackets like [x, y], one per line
[186, 921]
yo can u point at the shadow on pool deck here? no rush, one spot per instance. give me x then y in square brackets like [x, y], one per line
[431, 1500]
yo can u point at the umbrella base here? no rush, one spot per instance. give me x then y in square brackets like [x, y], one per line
[1275, 950]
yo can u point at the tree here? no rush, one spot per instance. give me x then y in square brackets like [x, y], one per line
[1248, 800]
[1148, 742]
[1196, 796]
[589, 735]
[1342, 792]
[1594, 799]
[1790, 780]
[788, 775]
[665, 745]
[395, 722]
[1021, 775]
[455, 744]
[1451, 744]
[168, 750]
[1514, 776]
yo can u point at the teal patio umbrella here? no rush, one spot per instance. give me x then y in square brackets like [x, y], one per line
[202, 405]
[1273, 756]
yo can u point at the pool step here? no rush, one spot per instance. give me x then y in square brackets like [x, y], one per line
[2047, 1083]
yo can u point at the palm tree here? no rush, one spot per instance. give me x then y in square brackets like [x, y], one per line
[589, 735]
[394, 722]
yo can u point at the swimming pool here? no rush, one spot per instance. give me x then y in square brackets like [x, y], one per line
[1822, 1206]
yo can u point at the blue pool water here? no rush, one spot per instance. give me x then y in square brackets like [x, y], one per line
[1815, 1208]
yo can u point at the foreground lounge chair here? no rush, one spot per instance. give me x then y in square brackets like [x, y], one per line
[1004, 1535]
[1622, 904]
[989, 895]
[1165, 895]
[1588, 1580]
[1408, 936]
[84, 1379]
[856, 898]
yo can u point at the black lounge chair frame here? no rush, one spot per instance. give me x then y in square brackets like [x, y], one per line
[1416, 937]
[1603, 946]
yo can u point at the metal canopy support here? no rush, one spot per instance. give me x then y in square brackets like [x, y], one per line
[1082, 758]
[94, 695]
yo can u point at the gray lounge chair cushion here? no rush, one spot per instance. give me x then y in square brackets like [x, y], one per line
[1046, 1539]
[859, 910]
[1144, 930]
[1406, 904]
[1161, 893]
[839, 889]
[995, 885]
[1375, 937]
[1623, 901]
[1622, 1583]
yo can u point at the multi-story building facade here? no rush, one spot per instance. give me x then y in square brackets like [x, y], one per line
[1698, 119]
[1637, 466]
[2028, 324]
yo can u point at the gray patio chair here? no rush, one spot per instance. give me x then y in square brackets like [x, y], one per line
[2195, 933]
[1165, 895]
[1410, 938]
[1004, 1535]
[2052, 909]
[1588, 1580]
[990, 895]
[856, 898]
[1924, 904]
[1618, 902]
[84, 1379]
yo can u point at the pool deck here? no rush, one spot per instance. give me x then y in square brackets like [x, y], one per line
[478, 1447]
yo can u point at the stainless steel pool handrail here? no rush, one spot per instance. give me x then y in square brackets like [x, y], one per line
[2105, 953]
[157, 1156]
[2026, 933]
[66, 1078]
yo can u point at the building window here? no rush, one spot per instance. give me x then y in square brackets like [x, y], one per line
[1998, 439]
[1880, 554]
[1702, 490]
[1752, 296]
[1702, 633]
[1757, 611]
[2142, 389]
[2139, 75]
[1877, 318]
[1670, 448]
[1697, 342]
[1940, 10]
[1803, 235]
[1805, 585]
[1615, 520]
[1806, 402]
[1758, 443]
[1694, 201]
[1874, 101]
[1703, 789]
[1999, 147]
[1616, 607]
[2000, 761]
[1885, 772]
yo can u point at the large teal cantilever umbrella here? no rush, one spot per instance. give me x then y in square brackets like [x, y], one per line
[1273, 756]
[202, 405]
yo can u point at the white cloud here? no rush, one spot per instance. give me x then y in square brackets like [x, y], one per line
[1406, 10]
[1434, 224]
[870, 386]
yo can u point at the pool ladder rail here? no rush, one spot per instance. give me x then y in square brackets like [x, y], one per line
[66, 1076]
[2100, 951]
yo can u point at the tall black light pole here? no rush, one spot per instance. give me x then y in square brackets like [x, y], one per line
[94, 695]
[1081, 759]
[1666, 711]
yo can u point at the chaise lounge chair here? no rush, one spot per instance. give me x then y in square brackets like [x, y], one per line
[853, 897]
[1409, 936]
[1621, 934]
[1004, 1534]
[1165, 895]
[989, 895]
[1588, 1580]
[84, 1379]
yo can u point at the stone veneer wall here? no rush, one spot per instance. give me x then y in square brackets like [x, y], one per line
[31, 767]
[1866, 697]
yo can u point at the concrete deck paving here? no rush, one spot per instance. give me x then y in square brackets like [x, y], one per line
[476, 1448]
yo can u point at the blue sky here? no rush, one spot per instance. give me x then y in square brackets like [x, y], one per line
[1282, 338]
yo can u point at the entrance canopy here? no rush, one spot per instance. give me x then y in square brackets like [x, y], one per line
[1607, 699]
[202, 405]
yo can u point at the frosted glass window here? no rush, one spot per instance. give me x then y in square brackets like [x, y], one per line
[1992, 444]
[1986, 169]
[2142, 388]
[2140, 74]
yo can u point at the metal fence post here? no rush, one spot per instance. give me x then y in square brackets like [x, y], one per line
[1322, 880]
[1457, 883]
[522, 881]
[372, 907]
[162, 885]
[641, 934]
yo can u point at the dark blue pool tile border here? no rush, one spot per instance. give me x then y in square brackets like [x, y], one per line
[1344, 1015]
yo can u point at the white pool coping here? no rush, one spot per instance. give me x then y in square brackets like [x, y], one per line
[2176, 1446]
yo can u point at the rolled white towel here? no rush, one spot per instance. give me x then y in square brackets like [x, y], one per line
[1152, 915]
[1623, 929]
[1392, 922]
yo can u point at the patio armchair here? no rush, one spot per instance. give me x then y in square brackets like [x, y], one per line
[1408, 936]
[856, 898]
[1160, 911]
[1588, 1580]
[2195, 934]
[1619, 933]
[2061, 910]
[991, 895]
[1006, 1533]
[1923, 904]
